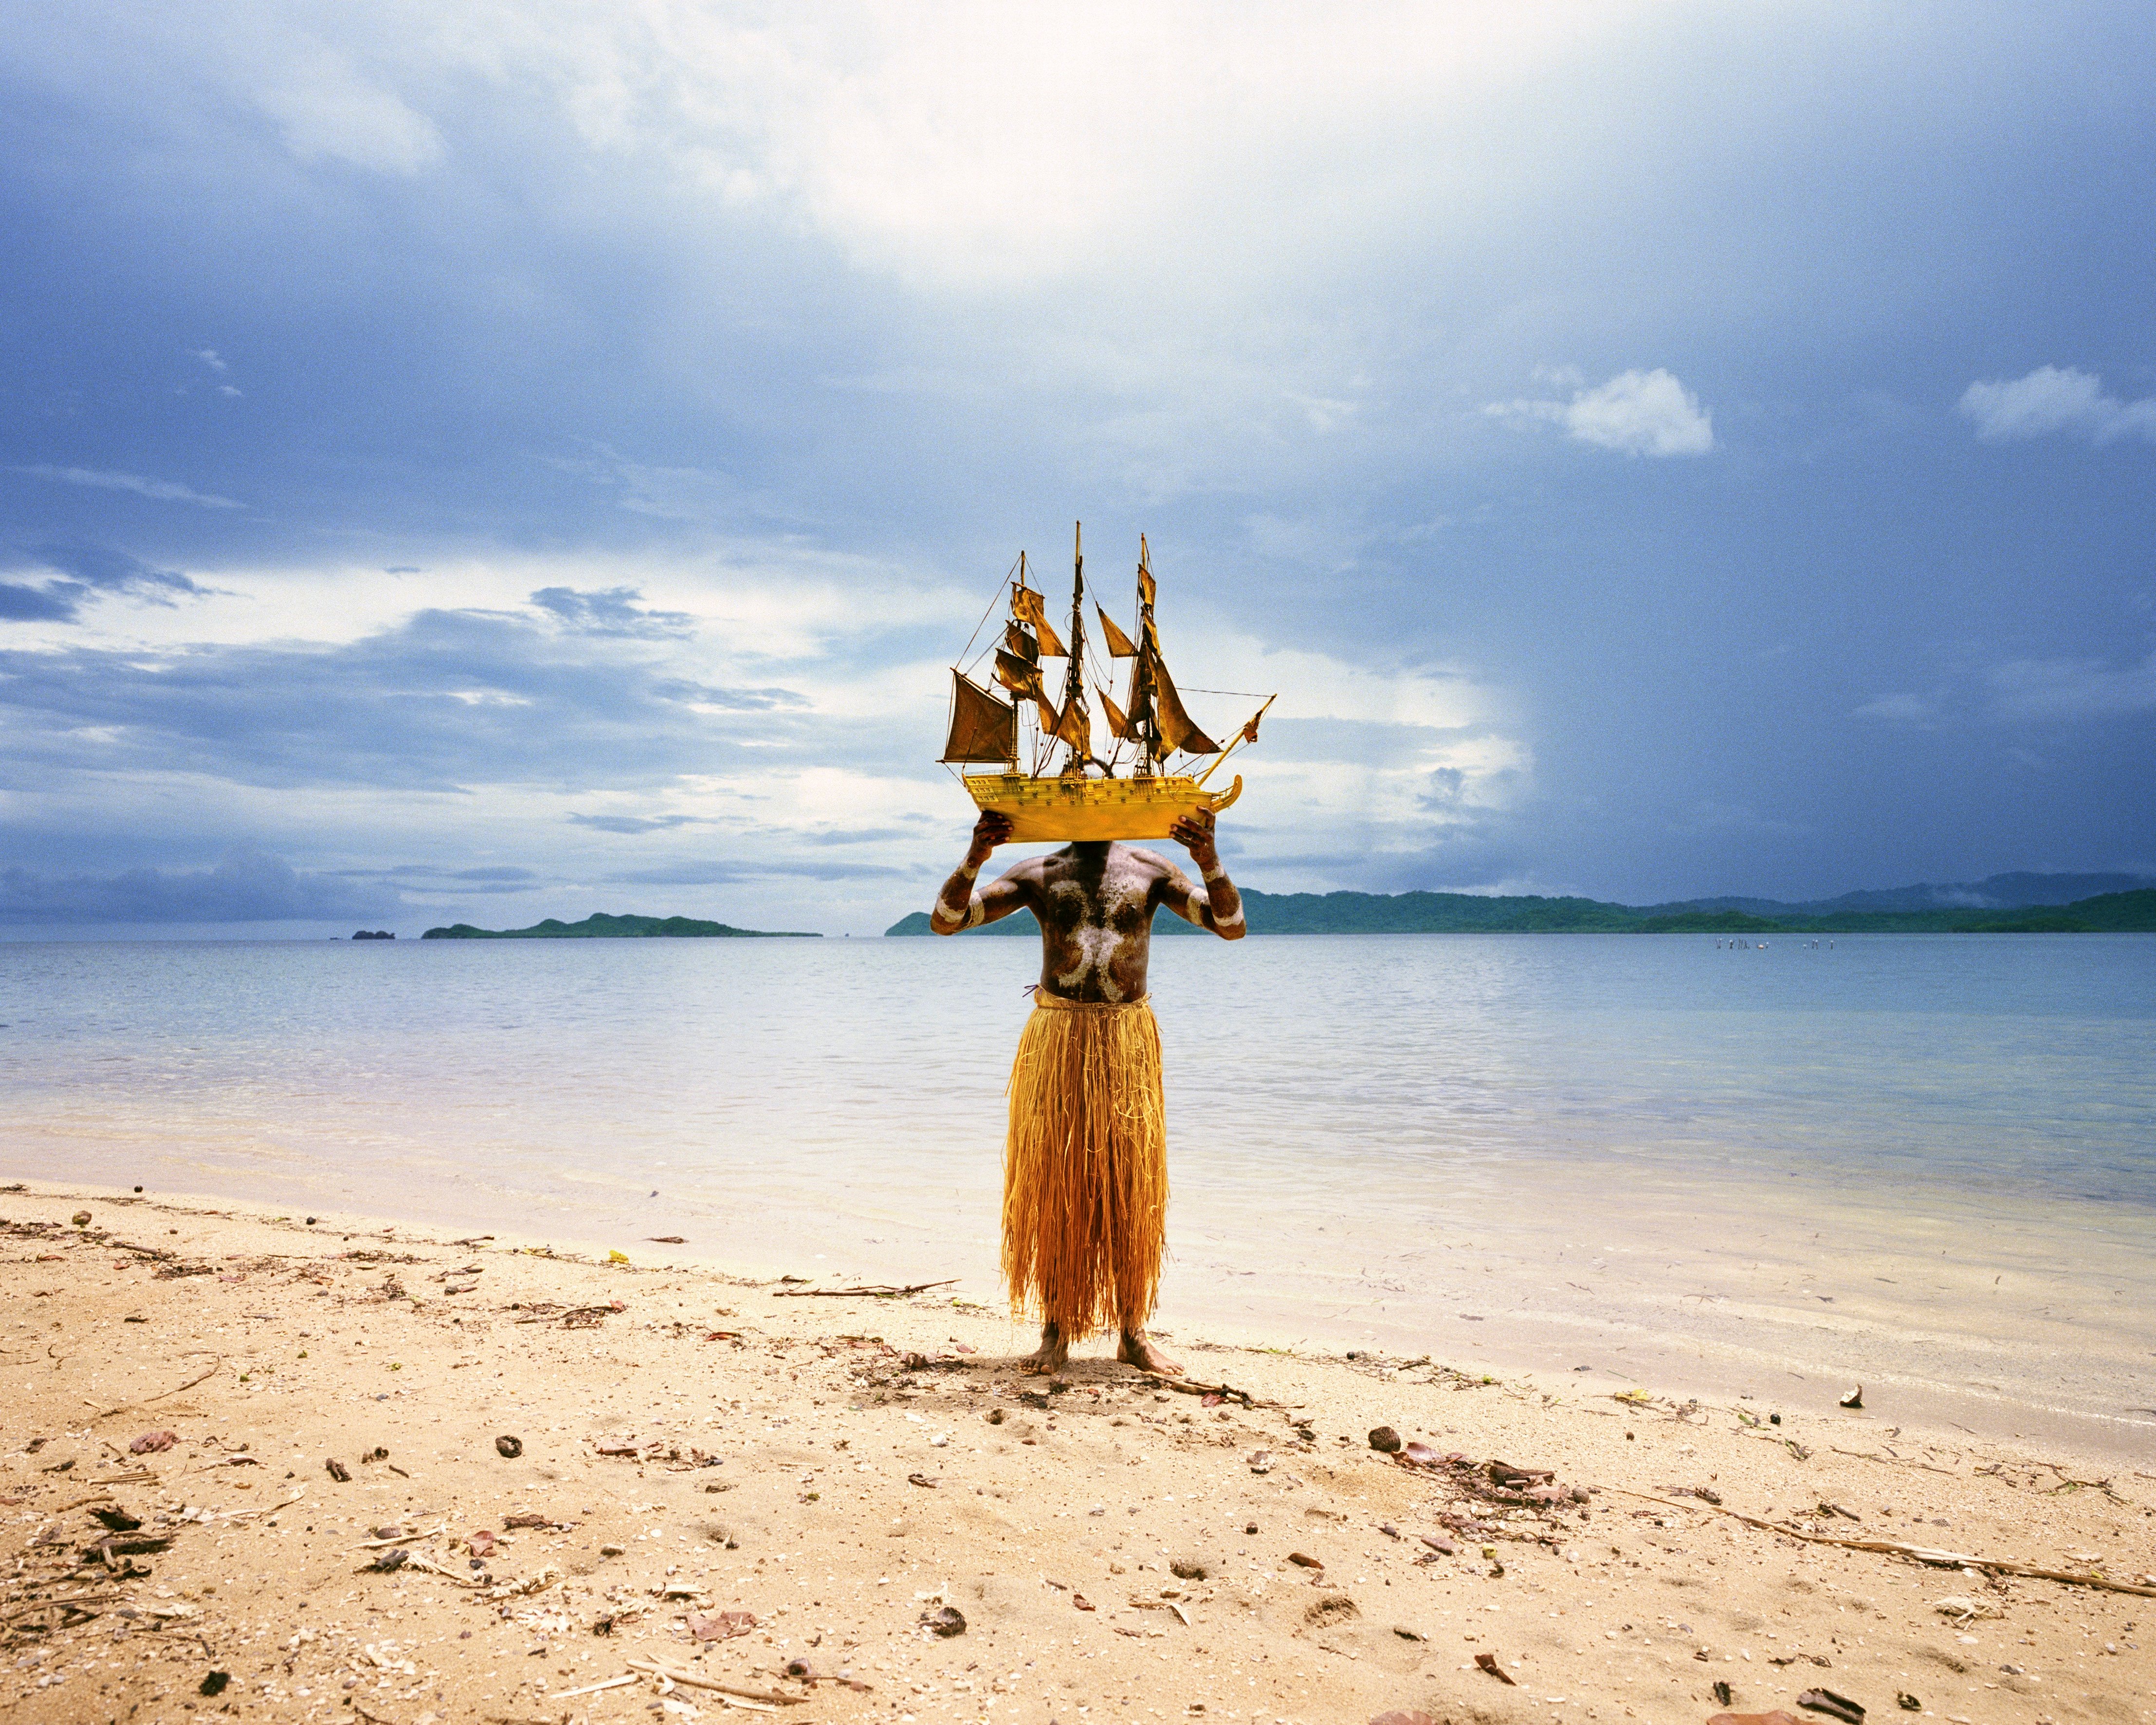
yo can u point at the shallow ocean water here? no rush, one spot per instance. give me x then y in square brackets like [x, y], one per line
[1925, 1163]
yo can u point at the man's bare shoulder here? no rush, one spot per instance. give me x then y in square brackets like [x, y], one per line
[1152, 861]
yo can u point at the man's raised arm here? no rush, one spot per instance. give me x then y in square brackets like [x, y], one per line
[1216, 905]
[958, 907]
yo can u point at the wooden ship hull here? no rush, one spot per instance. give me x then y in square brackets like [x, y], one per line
[1067, 811]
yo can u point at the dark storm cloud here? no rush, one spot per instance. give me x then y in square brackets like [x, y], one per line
[1762, 401]
[248, 885]
[448, 700]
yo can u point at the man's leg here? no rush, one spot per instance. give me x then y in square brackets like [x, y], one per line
[1138, 1349]
[1054, 1353]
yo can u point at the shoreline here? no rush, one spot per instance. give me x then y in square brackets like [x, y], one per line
[692, 1444]
[1956, 1385]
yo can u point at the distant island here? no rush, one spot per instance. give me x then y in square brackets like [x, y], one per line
[2133, 912]
[374, 934]
[600, 927]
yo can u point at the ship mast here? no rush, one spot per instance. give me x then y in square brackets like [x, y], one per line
[1074, 681]
[1143, 716]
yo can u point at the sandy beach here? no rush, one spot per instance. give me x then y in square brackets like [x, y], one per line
[634, 1489]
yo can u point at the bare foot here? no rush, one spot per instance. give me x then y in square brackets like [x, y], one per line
[1053, 1354]
[1137, 1350]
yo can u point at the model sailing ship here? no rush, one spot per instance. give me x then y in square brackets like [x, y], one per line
[1136, 790]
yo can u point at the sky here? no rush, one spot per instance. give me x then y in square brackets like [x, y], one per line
[492, 459]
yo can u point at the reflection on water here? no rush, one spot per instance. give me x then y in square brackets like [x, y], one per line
[1924, 1157]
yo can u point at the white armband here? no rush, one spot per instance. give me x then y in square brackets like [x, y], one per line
[1215, 876]
[978, 913]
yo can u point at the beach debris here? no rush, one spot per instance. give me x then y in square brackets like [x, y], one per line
[377, 1454]
[1721, 1688]
[118, 1520]
[1445, 1547]
[510, 1448]
[337, 1470]
[1187, 1569]
[1907, 1702]
[1921, 1553]
[530, 1584]
[920, 1479]
[666, 1239]
[530, 1518]
[719, 1625]
[1962, 1608]
[82, 1218]
[214, 1684]
[881, 1291]
[151, 1442]
[945, 1621]
[1778, 1717]
[1384, 1439]
[1835, 1707]
[395, 1558]
[594, 1688]
[1260, 1462]
[1855, 1398]
[481, 1544]
[1304, 1560]
[1408, 1634]
[1488, 1662]
[759, 1701]
[1081, 1602]
[1198, 1387]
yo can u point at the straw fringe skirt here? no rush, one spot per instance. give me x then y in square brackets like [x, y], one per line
[1085, 1166]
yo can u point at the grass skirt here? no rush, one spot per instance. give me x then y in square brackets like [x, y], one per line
[1085, 1166]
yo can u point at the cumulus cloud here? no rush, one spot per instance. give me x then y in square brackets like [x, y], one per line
[611, 611]
[1635, 412]
[447, 700]
[248, 885]
[328, 112]
[76, 573]
[2052, 400]
[633, 826]
[163, 491]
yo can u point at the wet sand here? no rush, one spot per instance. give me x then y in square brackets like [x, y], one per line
[715, 1481]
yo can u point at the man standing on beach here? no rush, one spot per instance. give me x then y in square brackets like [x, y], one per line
[1086, 1163]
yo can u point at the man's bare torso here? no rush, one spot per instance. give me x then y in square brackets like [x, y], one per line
[1094, 904]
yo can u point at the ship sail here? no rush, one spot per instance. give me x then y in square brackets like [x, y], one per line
[982, 728]
[1177, 732]
[1119, 643]
[1016, 676]
[1023, 645]
[1074, 725]
[1119, 723]
[1027, 607]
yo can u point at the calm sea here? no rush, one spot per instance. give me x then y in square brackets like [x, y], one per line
[1926, 1163]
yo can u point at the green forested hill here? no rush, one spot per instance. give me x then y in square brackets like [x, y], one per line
[1466, 913]
[600, 927]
